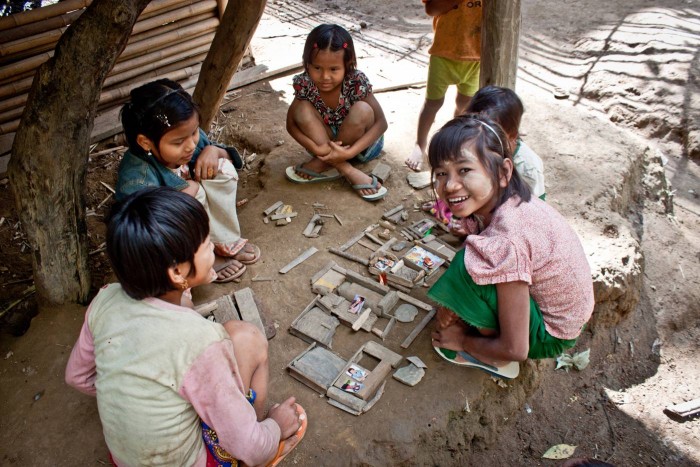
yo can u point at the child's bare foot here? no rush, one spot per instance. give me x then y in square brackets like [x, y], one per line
[446, 318]
[314, 165]
[416, 159]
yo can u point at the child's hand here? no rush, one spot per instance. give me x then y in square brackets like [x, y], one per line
[445, 318]
[286, 416]
[339, 153]
[207, 165]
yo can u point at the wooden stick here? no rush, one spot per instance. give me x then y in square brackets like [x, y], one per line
[13, 102]
[157, 7]
[48, 24]
[414, 301]
[179, 35]
[298, 260]
[197, 8]
[169, 27]
[397, 87]
[157, 67]
[16, 87]
[345, 255]
[28, 64]
[26, 43]
[32, 16]
[411, 337]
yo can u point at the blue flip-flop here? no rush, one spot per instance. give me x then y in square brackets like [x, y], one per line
[508, 371]
[292, 173]
[381, 192]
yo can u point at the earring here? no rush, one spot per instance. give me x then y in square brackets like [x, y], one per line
[184, 285]
[149, 153]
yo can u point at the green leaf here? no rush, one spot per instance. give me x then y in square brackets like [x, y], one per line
[559, 451]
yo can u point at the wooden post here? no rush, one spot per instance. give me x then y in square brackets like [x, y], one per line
[500, 35]
[230, 43]
[55, 132]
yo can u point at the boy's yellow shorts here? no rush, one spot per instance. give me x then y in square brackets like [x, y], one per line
[443, 72]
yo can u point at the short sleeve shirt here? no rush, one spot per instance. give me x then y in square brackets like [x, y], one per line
[355, 88]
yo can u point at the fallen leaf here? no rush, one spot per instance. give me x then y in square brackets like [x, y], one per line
[559, 451]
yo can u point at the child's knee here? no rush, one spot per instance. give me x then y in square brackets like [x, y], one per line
[248, 337]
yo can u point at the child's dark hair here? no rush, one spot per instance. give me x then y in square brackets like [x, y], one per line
[333, 38]
[150, 231]
[501, 105]
[155, 109]
[489, 143]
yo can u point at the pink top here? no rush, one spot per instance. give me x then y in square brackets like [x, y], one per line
[532, 242]
[211, 384]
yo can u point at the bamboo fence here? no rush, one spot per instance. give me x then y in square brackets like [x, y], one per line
[169, 40]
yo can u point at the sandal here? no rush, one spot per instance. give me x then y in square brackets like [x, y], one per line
[508, 371]
[233, 249]
[381, 192]
[223, 264]
[256, 254]
[299, 434]
[292, 174]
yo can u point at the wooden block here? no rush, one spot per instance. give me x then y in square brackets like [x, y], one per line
[284, 215]
[308, 231]
[344, 407]
[392, 211]
[411, 337]
[684, 410]
[414, 301]
[345, 398]
[315, 325]
[247, 308]
[371, 284]
[348, 290]
[374, 379]
[382, 172]
[380, 352]
[374, 238]
[387, 303]
[273, 208]
[362, 319]
[282, 222]
[367, 245]
[298, 260]
[316, 367]
[351, 242]
[226, 311]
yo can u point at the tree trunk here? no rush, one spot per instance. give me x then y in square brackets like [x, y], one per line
[50, 151]
[500, 35]
[237, 27]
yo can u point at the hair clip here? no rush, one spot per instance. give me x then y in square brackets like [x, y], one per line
[345, 45]
[315, 45]
[163, 119]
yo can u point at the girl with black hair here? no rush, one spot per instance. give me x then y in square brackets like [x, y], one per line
[334, 115]
[167, 148]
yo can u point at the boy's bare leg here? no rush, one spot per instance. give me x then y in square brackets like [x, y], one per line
[419, 156]
[461, 104]
[250, 348]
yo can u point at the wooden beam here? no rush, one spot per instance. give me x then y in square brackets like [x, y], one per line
[232, 38]
[500, 36]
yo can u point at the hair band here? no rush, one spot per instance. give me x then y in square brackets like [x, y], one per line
[345, 45]
[503, 153]
[315, 45]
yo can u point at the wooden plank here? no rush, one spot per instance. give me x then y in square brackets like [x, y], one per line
[370, 283]
[362, 319]
[374, 379]
[298, 260]
[414, 301]
[273, 208]
[251, 78]
[685, 409]
[380, 352]
[345, 255]
[411, 337]
[226, 311]
[247, 308]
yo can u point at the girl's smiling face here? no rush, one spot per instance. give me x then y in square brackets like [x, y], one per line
[466, 185]
[327, 70]
[203, 271]
[177, 146]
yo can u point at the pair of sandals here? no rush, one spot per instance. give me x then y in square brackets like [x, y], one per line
[292, 173]
[228, 260]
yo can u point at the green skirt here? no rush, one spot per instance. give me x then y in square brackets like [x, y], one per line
[477, 305]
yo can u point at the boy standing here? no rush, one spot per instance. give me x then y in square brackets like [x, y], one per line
[454, 59]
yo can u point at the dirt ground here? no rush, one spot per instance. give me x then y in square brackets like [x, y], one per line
[631, 70]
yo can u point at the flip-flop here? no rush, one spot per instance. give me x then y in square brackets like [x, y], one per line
[509, 371]
[256, 254]
[327, 176]
[381, 192]
[224, 264]
[300, 435]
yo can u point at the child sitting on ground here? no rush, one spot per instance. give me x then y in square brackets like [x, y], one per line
[503, 106]
[167, 148]
[165, 377]
[521, 287]
[334, 115]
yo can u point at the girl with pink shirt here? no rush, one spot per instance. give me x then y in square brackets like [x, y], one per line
[521, 287]
[172, 387]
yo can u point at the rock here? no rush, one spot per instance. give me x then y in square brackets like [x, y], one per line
[406, 313]
[410, 374]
